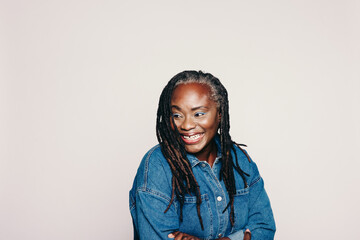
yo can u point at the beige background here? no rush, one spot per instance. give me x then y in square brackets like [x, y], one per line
[80, 81]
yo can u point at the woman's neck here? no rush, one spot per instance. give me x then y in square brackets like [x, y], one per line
[208, 154]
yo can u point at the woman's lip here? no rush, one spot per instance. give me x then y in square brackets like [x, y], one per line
[192, 138]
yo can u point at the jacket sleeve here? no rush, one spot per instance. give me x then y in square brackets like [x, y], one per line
[238, 235]
[261, 221]
[150, 221]
[150, 197]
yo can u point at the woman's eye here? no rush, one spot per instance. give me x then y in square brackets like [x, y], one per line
[198, 114]
[176, 115]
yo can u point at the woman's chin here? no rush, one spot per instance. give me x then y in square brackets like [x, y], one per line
[193, 149]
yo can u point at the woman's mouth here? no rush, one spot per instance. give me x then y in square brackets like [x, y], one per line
[192, 139]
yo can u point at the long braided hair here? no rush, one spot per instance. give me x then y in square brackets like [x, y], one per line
[172, 147]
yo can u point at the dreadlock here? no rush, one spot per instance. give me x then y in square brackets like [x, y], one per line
[173, 149]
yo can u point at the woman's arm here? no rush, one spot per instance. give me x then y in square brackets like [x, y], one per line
[150, 221]
[182, 236]
[261, 220]
[150, 197]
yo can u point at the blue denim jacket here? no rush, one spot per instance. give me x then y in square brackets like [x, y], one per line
[151, 194]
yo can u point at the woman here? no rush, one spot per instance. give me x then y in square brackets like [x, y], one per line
[198, 183]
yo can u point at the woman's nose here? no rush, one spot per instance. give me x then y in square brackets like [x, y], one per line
[187, 124]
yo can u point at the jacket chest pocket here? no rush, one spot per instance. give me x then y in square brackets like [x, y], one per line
[191, 223]
[241, 208]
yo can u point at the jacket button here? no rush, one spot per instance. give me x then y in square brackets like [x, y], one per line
[219, 198]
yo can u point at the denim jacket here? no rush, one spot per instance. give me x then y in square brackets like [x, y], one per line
[151, 195]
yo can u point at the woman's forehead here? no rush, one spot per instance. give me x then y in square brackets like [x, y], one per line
[191, 90]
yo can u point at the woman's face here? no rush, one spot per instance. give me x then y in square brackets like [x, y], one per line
[196, 117]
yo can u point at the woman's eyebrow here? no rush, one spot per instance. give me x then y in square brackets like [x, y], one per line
[192, 109]
[196, 108]
[176, 107]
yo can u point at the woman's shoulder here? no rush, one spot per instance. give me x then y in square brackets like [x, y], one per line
[241, 155]
[154, 171]
[244, 161]
[153, 152]
[153, 158]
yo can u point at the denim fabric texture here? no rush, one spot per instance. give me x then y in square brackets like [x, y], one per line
[151, 194]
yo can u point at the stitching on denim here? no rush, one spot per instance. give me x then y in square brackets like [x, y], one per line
[243, 191]
[207, 205]
[147, 164]
[255, 181]
[193, 199]
[132, 203]
[154, 193]
[132, 207]
[212, 177]
[211, 219]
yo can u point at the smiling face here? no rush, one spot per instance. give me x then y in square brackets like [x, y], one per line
[196, 117]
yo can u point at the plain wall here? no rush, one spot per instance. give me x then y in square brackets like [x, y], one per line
[79, 88]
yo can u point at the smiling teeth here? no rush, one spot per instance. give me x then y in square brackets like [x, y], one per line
[193, 137]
